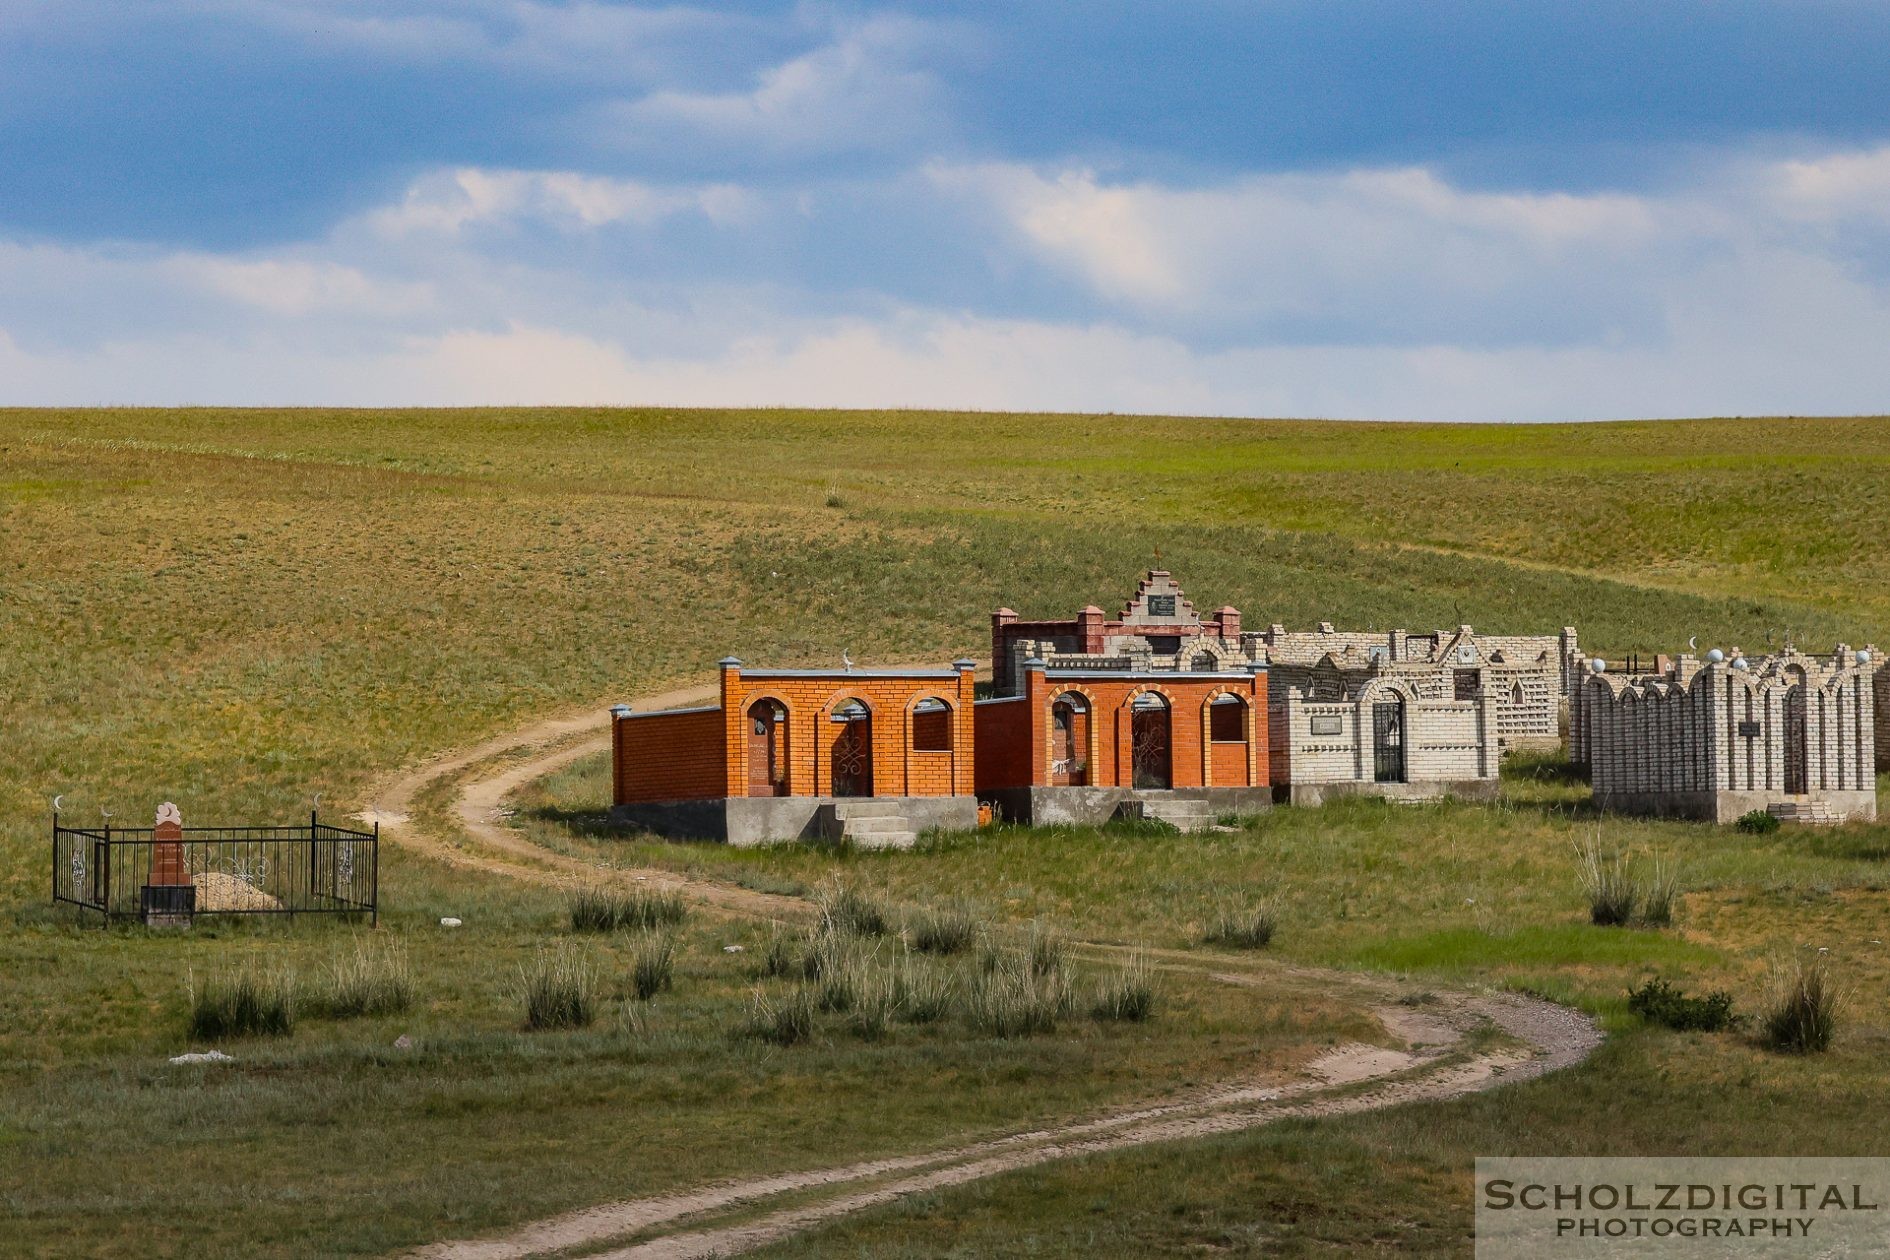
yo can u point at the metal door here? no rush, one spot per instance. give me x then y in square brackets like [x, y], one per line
[1148, 733]
[1388, 741]
[852, 756]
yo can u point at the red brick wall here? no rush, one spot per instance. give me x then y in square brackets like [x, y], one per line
[898, 769]
[1230, 764]
[932, 730]
[1193, 760]
[670, 757]
[1003, 757]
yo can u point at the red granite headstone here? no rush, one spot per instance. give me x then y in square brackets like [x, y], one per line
[168, 893]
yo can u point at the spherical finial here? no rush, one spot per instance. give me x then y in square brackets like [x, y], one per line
[1597, 666]
[1715, 655]
[1739, 663]
[1863, 656]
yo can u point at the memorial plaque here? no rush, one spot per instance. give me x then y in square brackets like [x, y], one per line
[1328, 726]
[1161, 605]
[1749, 729]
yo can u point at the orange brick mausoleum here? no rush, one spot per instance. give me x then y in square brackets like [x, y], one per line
[874, 755]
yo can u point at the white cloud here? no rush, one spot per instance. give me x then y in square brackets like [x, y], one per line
[1298, 245]
[865, 90]
[1743, 293]
[449, 201]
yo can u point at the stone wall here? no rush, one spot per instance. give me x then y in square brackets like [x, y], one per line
[1705, 735]
[1328, 741]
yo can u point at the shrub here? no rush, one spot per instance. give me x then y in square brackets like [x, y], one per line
[1244, 927]
[560, 991]
[1045, 951]
[654, 967]
[1127, 995]
[1801, 1015]
[1606, 884]
[784, 1021]
[1659, 893]
[873, 1008]
[1014, 999]
[921, 995]
[606, 910]
[849, 910]
[242, 1004]
[778, 956]
[376, 982]
[844, 978]
[1659, 1002]
[1757, 822]
[949, 930]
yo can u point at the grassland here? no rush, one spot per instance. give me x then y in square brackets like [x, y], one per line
[237, 609]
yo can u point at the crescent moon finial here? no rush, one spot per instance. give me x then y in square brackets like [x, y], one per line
[318, 800]
[1693, 641]
[56, 800]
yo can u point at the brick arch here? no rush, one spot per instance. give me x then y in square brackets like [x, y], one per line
[918, 767]
[1245, 700]
[1125, 731]
[785, 752]
[1092, 743]
[825, 738]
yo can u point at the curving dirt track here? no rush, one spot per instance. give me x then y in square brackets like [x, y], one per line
[725, 1218]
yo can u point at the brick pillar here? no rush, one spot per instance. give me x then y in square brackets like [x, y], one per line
[964, 737]
[619, 713]
[1001, 676]
[1089, 630]
[1259, 739]
[1036, 702]
[1229, 619]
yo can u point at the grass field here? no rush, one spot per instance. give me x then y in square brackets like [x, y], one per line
[238, 609]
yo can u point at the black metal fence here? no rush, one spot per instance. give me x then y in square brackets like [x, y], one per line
[127, 872]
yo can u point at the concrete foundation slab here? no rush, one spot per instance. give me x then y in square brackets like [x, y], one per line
[1085, 806]
[752, 820]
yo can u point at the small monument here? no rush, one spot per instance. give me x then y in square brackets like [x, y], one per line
[169, 896]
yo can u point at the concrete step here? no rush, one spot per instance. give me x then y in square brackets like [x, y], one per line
[856, 825]
[884, 839]
[1181, 813]
[867, 807]
[1805, 812]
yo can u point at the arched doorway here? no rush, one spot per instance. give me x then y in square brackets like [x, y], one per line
[767, 749]
[1797, 760]
[1388, 740]
[1069, 741]
[1227, 741]
[851, 759]
[1149, 742]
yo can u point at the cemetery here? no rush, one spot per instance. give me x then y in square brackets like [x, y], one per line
[1161, 712]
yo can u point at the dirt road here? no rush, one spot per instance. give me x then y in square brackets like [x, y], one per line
[724, 1218]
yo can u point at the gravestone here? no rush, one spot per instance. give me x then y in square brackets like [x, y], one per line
[169, 897]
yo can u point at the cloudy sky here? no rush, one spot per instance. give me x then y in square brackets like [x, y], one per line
[1440, 210]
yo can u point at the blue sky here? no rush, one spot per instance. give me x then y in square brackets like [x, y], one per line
[1439, 210]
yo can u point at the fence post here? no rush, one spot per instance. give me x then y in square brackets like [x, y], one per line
[374, 892]
[311, 861]
[55, 858]
[105, 875]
